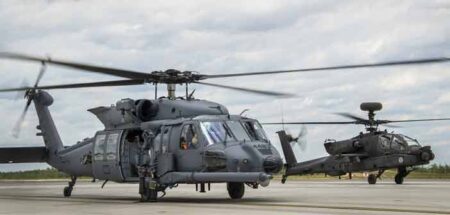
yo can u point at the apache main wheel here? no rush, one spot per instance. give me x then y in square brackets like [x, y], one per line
[372, 179]
[235, 190]
[398, 179]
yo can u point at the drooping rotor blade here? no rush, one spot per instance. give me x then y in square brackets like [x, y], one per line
[80, 85]
[261, 92]
[309, 123]
[351, 116]
[355, 66]
[411, 120]
[81, 66]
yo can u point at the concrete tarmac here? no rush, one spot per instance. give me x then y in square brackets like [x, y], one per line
[294, 197]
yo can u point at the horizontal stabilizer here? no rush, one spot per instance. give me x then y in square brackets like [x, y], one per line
[23, 155]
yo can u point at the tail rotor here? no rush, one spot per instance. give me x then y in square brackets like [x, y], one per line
[29, 95]
[299, 140]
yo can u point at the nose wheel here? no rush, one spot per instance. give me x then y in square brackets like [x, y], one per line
[235, 190]
[68, 190]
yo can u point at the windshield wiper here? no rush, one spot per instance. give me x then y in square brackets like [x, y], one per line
[227, 132]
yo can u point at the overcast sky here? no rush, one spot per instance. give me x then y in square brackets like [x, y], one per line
[237, 36]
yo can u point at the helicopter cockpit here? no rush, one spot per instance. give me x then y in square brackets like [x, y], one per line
[398, 142]
[225, 136]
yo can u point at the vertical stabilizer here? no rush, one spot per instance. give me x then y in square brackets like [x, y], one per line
[48, 130]
[289, 155]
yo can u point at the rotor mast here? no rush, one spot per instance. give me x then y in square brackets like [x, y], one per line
[171, 91]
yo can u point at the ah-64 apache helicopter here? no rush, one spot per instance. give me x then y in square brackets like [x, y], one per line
[374, 150]
[162, 142]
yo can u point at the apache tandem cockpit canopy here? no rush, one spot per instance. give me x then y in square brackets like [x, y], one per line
[161, 142]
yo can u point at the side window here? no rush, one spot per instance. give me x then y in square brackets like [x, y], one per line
[189, 137]
[165, 140]
[255, 131]
[100, 147]
[111, 146]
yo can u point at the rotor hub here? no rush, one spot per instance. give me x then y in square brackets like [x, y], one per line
[173, 76]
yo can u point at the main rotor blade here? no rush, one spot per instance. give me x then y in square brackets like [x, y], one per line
[261, 92]
[80, 85]
[81, 66]
[412, 120]
[309, 123]
[351, 116]
[391, 126]
[380, 64]
[40, 75]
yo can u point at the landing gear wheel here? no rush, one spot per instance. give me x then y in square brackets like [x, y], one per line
[149, 195]
[67, 191]
[372, 179]
[399, 179]
[235, 190]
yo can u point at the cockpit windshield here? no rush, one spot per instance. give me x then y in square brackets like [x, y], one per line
[410, 141]
[238, 130]
[224, 131]
[216, 132]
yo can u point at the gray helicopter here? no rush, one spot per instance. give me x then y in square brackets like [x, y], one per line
[374, 150]
[161, 142]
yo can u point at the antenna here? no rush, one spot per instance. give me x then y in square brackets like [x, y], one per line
[282, 116]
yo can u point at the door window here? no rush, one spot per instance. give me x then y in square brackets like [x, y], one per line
[189, 137]
[165, 140]
[100, 147]
[111, 146]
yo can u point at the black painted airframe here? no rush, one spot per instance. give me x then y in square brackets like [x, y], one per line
[373, 150]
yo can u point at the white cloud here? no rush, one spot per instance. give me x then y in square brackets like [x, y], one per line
[238, 36]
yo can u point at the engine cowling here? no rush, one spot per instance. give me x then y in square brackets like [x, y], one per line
[145, 109]
[342, 147]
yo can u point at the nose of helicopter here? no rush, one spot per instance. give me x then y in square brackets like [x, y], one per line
[253, 157]
[426, 154]
[272, 164]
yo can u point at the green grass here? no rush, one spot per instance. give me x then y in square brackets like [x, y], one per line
[49, 173]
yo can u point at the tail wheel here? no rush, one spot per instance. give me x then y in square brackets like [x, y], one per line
[399, 179]
[235, 190]
[67, 191]
[372, 179]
